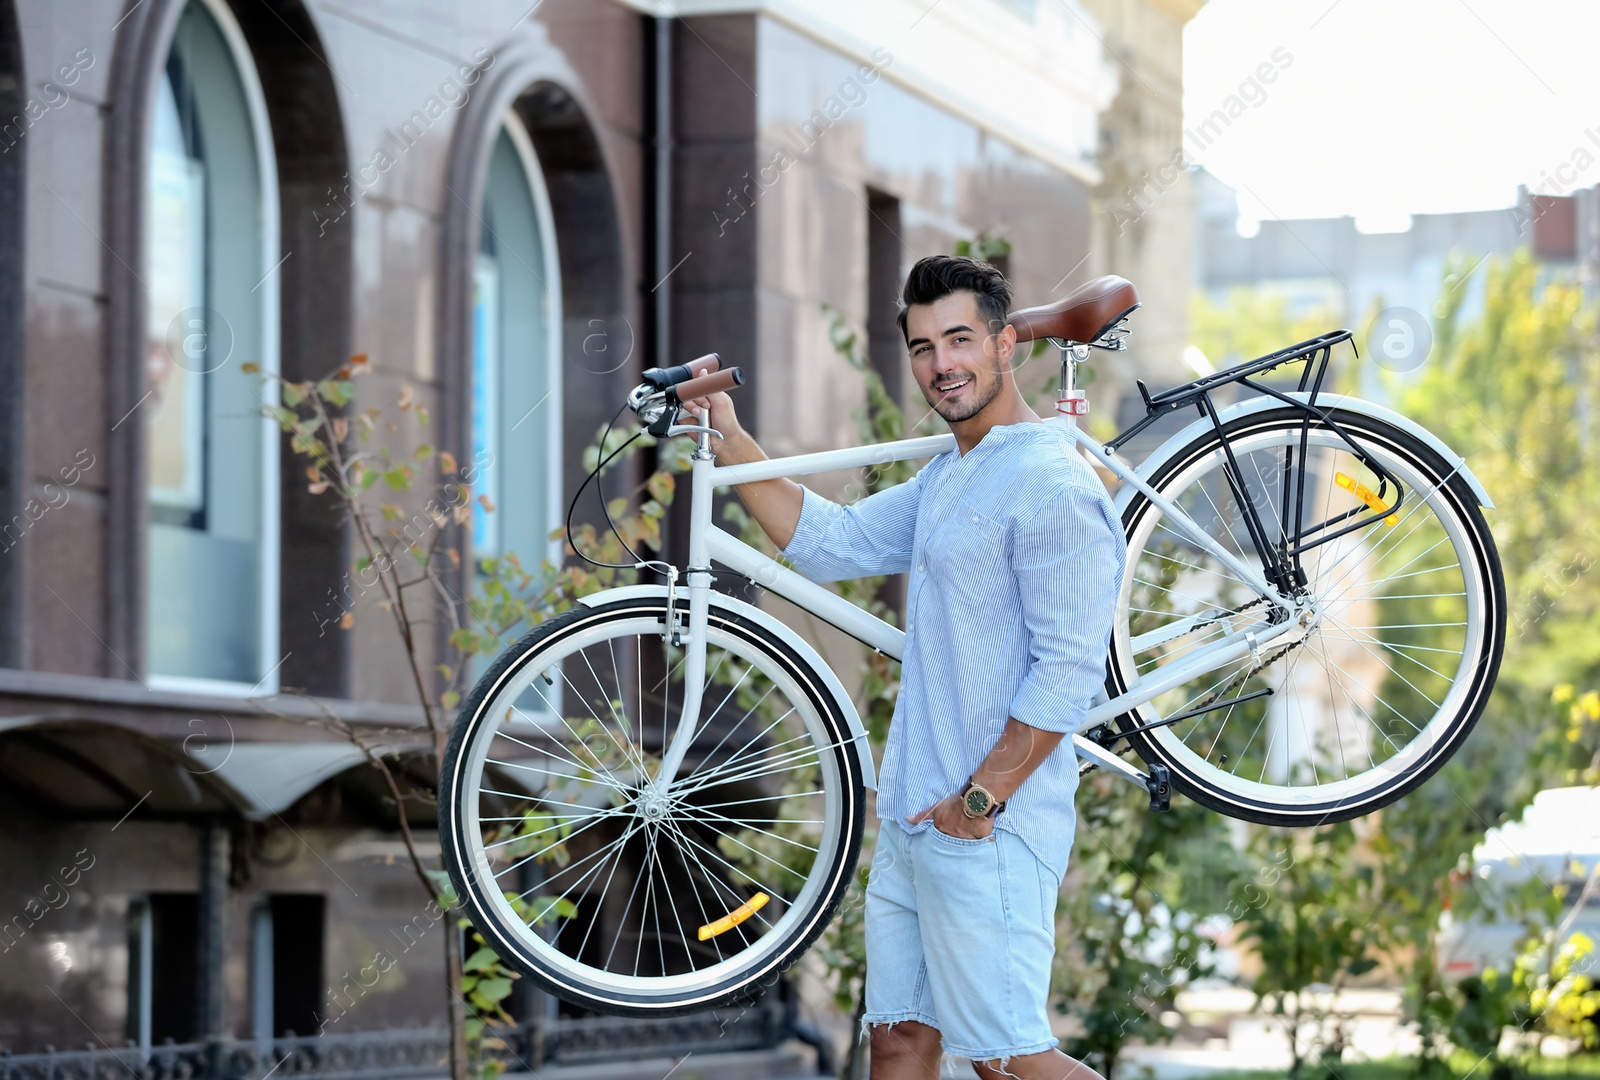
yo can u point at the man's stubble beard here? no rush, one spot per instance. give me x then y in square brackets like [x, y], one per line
[986, 388]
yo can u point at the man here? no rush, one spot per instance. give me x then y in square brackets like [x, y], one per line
[1015, 556]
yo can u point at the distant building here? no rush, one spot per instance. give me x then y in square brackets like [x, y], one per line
[1328, 265]
[1143, 219]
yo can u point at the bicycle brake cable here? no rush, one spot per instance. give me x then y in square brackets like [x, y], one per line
[604, 460]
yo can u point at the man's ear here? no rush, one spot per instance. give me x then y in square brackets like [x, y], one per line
[1002, 347]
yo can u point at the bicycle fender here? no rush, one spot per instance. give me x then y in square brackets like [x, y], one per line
[1263, 403]
[784, 633]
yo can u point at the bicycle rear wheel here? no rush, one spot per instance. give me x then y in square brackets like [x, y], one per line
[1385, 688]
[608, 895]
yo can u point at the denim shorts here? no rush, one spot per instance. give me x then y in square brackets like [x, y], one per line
[960, 936]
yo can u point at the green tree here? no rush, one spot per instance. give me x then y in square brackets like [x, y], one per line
[1312, 933]
[1515, 391]
[1510, 391]
[1129, 920]
[1249, 324]
[402, 504]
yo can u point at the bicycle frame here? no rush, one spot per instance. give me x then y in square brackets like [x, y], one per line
[709, 543]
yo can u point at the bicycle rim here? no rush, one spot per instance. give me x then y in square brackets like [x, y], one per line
[1380, 693]
[673, 906]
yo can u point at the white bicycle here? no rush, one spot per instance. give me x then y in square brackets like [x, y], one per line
[653, 803]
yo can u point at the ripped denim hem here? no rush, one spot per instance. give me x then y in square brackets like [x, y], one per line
[1002, 1057]
[869, 1020]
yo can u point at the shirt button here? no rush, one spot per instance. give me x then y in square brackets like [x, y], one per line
[922, 567]
[974, 519]
[910, 627]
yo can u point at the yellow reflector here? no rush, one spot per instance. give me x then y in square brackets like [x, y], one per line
[1366, 495]
[734, 917]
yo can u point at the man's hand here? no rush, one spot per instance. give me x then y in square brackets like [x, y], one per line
[1014, 756]
[716, 410]
[950, 819]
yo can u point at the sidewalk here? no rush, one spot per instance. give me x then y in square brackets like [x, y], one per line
[1225, 1036]
[787, 1062]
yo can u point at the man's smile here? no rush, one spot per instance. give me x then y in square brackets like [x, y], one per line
[952, 385]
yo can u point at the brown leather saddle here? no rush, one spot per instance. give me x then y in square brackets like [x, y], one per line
[1083, 316]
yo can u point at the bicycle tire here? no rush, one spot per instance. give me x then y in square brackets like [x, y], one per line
[1438, 490]
[745, 972]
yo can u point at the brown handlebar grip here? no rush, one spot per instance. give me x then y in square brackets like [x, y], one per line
[709, 384]
[705, 365]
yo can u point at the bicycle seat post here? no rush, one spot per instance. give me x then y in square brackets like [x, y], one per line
[1071, 402]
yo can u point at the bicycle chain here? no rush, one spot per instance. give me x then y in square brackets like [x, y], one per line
[1233, 684]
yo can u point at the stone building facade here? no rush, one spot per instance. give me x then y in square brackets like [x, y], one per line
[511, 211]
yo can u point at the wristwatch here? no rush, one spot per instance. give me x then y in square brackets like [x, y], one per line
[978, 801]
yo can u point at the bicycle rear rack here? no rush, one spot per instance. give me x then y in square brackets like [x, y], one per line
[1281, 562]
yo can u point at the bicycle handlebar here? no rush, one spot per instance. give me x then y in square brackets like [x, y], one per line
[661, 378]
[709, 383]
[656, 401]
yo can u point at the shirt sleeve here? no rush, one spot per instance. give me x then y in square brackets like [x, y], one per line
[871, 536]
[1068, 560]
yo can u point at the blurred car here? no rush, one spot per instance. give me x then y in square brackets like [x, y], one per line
[1557, 843]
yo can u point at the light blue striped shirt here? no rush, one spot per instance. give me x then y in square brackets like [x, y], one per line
[1015, 555]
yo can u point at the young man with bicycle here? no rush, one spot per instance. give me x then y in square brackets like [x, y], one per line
[1015, 558]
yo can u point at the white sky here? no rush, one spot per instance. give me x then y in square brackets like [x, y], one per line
[1394, 107]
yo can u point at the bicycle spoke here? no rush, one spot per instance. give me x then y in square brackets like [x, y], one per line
[727, 763]
[622, 921]
[751, 767]
[740, 723]
[631, 755]
[716, 946]
[599, 907]
[788, 765]
[547, 772]
[572, 759]
[1338, 729]
[690, 809]
[769, 890]
[1220, 729]
[685, 844]
[1394, 539]
[608, 850]
[764, 798]
[1288, 682]
[1338, 674]
[1358, 636]
[613, 812]
[550, 848]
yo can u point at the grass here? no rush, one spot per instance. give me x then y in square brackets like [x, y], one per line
[1462, 1066]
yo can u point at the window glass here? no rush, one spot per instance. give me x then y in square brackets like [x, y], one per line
[516, 397]
[205, 444]
[516, 408]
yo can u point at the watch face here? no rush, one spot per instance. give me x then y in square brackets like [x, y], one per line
[977, 803]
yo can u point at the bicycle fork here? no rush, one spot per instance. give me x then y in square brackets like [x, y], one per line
[698, 586]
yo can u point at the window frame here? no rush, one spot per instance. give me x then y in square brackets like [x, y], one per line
[269, 573]
[511, 123]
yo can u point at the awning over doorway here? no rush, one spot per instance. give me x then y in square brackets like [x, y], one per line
[99, 769]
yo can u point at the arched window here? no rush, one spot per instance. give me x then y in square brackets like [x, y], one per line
[516, 343]
[210, 457]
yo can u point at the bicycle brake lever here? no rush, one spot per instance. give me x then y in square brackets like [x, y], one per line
[687, 429]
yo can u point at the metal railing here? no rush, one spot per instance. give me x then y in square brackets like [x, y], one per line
[410, 1052]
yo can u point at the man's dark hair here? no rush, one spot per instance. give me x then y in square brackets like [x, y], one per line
[937, 276]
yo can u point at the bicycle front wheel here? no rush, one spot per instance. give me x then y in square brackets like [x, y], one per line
[616, 896]
[1381, 691]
